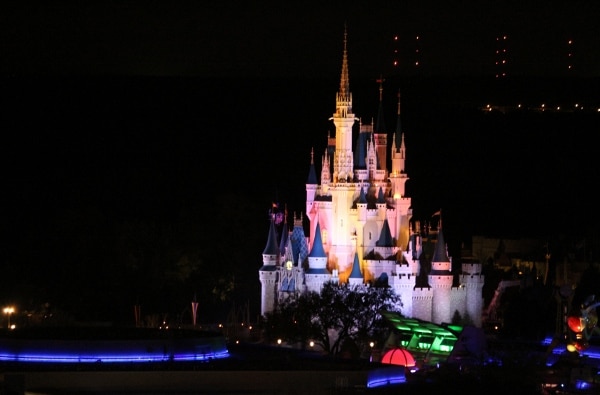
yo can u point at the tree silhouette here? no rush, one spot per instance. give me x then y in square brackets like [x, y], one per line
[339, 314]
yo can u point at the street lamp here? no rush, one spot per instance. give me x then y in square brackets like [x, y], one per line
[8, 311]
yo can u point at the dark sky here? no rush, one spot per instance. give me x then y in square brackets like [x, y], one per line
[249, 38]
[177, 118]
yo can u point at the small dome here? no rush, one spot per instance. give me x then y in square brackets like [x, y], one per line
[398, 356]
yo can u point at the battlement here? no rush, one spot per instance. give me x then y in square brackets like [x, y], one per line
[440, 281]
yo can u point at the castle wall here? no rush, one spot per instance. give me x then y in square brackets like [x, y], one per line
[422, 299]
[441, 304]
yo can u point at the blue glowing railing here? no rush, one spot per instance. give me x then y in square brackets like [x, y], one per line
[161, 348]
[389, 375]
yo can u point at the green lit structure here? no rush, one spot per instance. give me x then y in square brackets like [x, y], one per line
[429, 343]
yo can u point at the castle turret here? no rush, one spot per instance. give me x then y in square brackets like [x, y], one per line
[268, 272]
[317, 272]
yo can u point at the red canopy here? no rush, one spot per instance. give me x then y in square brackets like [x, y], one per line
[398, 356]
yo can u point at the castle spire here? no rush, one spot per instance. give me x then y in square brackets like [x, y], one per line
[380, 124]
[312, 172]
[345, 79]
[398, 137]
[343, 119]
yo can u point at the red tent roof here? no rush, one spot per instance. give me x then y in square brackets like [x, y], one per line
[398, 356]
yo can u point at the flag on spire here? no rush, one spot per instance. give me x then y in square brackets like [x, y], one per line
[439, 212]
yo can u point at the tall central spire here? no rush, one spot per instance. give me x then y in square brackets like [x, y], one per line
[345, 79]
[343, 118]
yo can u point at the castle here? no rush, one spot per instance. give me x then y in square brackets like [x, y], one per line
[361, 228]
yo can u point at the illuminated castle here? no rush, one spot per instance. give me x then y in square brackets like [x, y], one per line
[361, 231]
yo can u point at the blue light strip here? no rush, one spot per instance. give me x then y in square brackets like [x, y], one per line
[108, 358]
[388, 381]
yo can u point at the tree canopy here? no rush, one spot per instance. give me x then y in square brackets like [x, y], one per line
[339, 316]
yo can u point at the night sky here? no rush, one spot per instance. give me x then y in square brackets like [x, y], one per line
[133, 126]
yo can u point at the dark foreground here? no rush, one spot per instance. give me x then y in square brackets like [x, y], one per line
[255, 369]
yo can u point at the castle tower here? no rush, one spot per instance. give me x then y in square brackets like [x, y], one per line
[473, 280]
[343, 119]
[268, 272]
[398, 179]
[440, 279]
[336, 224]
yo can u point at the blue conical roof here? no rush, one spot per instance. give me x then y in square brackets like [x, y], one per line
[317, 250]
[385, 238]
[272, 248]
[356, 273]
[299, 244]
[380, 196]
[440, 254]
[362, 198]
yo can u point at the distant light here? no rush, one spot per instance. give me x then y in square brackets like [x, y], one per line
[312, 343]
[278, 341]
